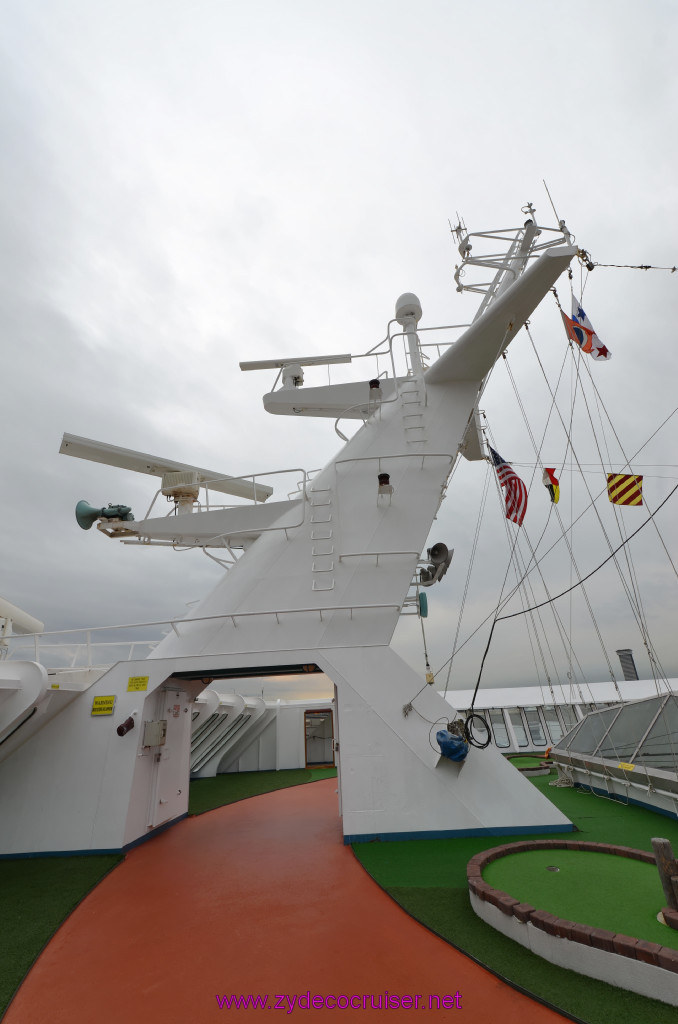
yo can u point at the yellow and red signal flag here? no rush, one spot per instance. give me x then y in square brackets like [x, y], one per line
[551, 484]
[625, 489]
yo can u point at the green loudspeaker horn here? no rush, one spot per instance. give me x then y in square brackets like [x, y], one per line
[86, 515]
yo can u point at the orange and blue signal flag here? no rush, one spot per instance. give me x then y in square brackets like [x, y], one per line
[577, 333]
[580, 330]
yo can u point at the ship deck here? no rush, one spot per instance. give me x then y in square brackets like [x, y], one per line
[260, 898]
[257, 898]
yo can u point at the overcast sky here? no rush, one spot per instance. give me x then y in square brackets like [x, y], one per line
[188, 185]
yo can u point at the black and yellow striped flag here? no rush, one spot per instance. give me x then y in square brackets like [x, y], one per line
[625, 489]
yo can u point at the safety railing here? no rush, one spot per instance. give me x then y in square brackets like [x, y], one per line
[376, 554]
[423, 456]
[211, 506]
[505, 264]
[69, 656]
[35, 646]
[399, 378]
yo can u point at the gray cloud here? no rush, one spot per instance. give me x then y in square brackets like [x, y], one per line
[187, 187]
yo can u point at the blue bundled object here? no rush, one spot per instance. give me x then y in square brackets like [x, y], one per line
[453, 747]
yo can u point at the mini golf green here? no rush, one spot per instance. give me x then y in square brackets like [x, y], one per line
[529, 761]
[427, 877]
[598, 889]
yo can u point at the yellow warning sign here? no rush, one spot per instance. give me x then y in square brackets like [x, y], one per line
[626, 767]
[103, 705]
[136, 683]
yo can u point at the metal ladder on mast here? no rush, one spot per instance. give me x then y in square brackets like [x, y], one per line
[322, 538]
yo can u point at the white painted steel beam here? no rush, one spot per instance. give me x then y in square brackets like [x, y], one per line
[277, 364]
[154, 465]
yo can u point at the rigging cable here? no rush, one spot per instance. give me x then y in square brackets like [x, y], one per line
[523, 596]
[599, 398]
[499, 604]
[554, 507]
[474, 547]
[483, 385]
[584, 511]
[555, 543]
[522, 585]
[560, 628]
[632, 591]
[633, 577]
[454, 649]
[542, 604]
[429, 674]
[551, 600]
[590, 505]
[629, 266]
[604, 562]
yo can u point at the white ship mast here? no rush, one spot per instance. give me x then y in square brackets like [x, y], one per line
[323, 579]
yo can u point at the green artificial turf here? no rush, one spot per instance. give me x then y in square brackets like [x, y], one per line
[525, 761]
[428, 879]
[207, 794]
[616, 893]
[36, 895]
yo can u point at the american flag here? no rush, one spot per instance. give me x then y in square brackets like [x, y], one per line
[515, 491]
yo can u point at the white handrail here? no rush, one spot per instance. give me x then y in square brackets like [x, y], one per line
[398, 455]
[174, 623]
[376, 554]
[249, 476]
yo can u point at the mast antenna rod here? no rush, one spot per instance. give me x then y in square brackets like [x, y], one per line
[550, 200]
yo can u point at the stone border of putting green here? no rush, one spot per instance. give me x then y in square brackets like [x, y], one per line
[620, 960]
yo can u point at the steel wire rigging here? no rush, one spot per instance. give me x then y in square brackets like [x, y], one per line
[524, 567]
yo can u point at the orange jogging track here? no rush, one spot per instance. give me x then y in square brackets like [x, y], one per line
[260, 897]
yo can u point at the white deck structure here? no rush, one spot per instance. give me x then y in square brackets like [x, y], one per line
[533, 718]
[322, 581]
